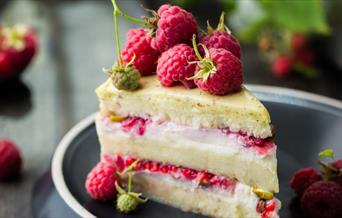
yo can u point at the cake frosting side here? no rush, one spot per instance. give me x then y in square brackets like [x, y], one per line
[227, 156]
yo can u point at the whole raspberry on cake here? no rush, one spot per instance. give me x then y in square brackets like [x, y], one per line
[206, 150]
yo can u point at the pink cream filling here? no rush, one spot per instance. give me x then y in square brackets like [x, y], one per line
[139, 125]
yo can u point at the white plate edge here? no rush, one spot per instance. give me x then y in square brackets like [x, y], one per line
[296, 93]
[57, 167]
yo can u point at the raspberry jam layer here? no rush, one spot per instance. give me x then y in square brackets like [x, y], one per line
[197, 178]
[139, 126]
[267, 209]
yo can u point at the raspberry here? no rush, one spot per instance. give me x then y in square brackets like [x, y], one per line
[221, 39]
[224, 74]
[18, 45]
[305, 56]
[173, 66]
[282, 66]
[175, 25]
[100, 183]
[298, 41]
[129, 161]
[338, 165]
[189, 174]
[135, 124]
[322, 200]
[10, 160]
[124, 77]
[138, 46]
[126, 203]
[204, 178]
[303, 178]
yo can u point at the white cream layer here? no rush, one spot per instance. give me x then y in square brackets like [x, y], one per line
[241, 197]
[201, 138]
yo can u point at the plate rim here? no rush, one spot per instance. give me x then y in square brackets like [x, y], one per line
[58, 156]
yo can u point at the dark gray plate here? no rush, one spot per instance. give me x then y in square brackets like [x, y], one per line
[306, 124]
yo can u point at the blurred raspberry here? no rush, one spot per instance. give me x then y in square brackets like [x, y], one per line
[221, 39]
[298, 41]
[282, 66]
[338, 165]
[303, 178]
[10, 160]
[305, 56]
[322, 200]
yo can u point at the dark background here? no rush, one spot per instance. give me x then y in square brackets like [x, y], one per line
[76, 42]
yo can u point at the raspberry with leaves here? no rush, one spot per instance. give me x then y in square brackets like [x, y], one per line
[124, 76]
[221, 37]
[219, 72]
[170, 25]
[128, 201]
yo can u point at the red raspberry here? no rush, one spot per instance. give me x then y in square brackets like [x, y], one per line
[221, 39]
[10, 160]
[298, 41]
[175, 25]
[282, 66]
[173, 66]
[189, 174]
[322, 200]
[226, 79]
[7, 68]
[303, 178]
[305, 56]
[139, 44]
[13, 59]
[100, 183]
[338, 165]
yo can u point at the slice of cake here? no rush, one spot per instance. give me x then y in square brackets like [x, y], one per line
[192, 136]
[207, 154]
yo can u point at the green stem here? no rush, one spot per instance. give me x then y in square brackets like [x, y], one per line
[195, 48]
[133, 19]
[221, 26]
[129, 182]
[117, 36]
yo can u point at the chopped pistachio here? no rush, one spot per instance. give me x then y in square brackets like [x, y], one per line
[263, 194]
[116, 118]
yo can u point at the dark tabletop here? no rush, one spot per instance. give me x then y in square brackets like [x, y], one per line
[57, 90]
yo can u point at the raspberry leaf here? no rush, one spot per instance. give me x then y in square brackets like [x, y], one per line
[326, 153]
[206, 65]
